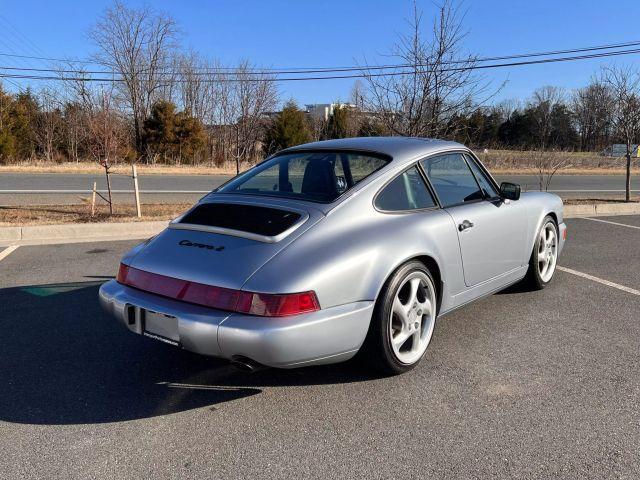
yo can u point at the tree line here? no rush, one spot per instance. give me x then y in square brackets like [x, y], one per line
[177, 107]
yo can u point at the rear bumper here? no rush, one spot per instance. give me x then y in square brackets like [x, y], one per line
[326, 336]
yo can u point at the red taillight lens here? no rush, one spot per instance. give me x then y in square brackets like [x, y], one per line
[122, 273]
[268, 305]
[261, 304]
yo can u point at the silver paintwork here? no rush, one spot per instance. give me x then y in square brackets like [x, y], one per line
[344, 251]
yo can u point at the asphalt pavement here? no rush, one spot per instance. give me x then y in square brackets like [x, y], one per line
[21, 189]
[518, 385]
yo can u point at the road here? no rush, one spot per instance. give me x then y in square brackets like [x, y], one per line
[156, 188]
[518, 385]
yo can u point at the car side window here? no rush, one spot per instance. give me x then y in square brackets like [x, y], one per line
[487, 187]
[451, 178]
[405, 192]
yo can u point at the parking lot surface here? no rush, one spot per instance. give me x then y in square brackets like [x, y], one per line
[518, 385]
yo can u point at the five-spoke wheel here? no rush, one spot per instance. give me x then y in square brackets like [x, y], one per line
[411, 321]
[544, 257]
[547, 251]
[403, 320]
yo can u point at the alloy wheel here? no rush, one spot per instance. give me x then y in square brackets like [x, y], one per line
[412, 317]
[547, 251]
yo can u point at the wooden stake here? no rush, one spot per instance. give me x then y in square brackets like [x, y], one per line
[135, 189]
[93, 200]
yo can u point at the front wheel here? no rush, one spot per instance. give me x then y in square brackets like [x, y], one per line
[544, 257]
[403, 320]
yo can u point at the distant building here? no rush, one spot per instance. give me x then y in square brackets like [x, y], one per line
[619, 150]
[322, 111]
[315, 111]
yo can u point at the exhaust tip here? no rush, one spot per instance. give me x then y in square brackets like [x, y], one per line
[247, 365]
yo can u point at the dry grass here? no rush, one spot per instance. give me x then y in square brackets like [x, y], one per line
[513, 162]
[93, 168]
[60, 214]
[500, 162]
[591, 201]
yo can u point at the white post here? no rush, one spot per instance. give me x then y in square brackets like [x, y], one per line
[93, 200]
[135, 189]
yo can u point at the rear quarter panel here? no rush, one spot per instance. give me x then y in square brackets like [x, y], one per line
[347, 256]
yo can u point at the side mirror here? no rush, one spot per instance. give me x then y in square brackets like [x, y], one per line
[510, 191]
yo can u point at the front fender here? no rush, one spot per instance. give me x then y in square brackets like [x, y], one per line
[539, 205]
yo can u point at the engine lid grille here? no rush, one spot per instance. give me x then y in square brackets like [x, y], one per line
[256, 222]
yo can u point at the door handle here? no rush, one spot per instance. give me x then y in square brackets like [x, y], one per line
[464, 225]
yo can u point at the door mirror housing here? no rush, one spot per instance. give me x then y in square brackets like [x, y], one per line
[510, 191]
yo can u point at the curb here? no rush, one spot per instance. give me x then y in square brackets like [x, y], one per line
[79, 232]
[594, 209]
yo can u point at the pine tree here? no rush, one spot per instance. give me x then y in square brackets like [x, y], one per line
[290, 128]
[339, 122]
[159, 128]
[173, 134]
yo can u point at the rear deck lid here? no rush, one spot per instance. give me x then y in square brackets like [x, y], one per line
[257, 222]
[224, 243]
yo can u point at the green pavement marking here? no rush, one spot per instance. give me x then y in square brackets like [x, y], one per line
[55, 289]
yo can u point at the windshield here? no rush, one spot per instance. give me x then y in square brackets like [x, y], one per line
[319, 176]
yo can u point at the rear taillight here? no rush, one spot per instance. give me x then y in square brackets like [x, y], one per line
[261, 304]
[122, 273]
[268, 305]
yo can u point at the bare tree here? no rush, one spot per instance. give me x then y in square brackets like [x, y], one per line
[541, 106]
[74, 129]
[592, 107]
[624, 85]
[107, 133]
[48, 123]
[196, 85]
[547, 165]
[437, 83]
[137, 43]
[253, 94]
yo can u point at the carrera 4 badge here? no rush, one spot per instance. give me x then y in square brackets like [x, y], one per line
[189, 243]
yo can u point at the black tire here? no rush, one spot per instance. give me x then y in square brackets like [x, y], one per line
[532, 280]
[377, 350]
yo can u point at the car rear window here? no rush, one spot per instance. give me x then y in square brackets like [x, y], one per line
[320, 176]
[245, 218]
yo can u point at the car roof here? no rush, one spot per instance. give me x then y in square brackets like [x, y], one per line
[400, 148]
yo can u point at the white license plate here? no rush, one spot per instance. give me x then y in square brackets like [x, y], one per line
[161, 327]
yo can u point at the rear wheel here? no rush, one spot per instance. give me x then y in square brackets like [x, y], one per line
[403, 320]
[544, 257]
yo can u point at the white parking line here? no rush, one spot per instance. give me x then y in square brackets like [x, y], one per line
[193, 386]
[612, 223]
[5, 253]
[600, 280]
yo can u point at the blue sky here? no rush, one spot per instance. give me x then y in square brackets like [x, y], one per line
[280, 33]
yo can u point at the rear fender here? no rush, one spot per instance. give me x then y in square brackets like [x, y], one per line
[348, 258]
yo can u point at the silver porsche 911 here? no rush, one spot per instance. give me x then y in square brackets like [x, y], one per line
[332, 248]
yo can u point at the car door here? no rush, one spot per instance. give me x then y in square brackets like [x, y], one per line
[491, 231]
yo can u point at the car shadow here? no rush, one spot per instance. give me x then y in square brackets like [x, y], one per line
[64, 361]
[519, 287]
